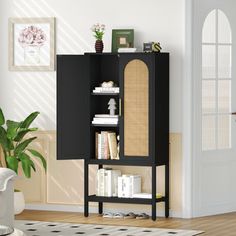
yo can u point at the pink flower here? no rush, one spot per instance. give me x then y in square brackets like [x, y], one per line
[32, 36]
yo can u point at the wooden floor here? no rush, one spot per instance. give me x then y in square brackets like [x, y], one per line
[221, 225]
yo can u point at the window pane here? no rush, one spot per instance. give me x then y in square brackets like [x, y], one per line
[224, 61]
[224, 96]
[224, 29]
[208, 61]
[208, 132]
[208, 96]
[224, 131]
[209, 28]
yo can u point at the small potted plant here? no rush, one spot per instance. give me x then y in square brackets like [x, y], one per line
[16, 150]
[99, 30]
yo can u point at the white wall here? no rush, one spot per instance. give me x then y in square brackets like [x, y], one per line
[152, 20]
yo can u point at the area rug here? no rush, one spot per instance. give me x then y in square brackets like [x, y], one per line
[39, 228]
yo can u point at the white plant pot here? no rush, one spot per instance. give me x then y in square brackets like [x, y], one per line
[19, 202]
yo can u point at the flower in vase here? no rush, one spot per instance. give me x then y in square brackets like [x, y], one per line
[32, 36]
[99, 30]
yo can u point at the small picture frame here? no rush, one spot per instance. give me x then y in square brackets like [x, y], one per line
[122, 38]
[32, 44]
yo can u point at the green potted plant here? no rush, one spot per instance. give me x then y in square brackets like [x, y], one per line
[16, 150]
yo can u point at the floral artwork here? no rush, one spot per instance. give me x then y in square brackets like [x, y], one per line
[32, 36]
[32, 44]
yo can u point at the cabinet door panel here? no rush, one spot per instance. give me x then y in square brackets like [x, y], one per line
[73, 128]
[136, 112]
[136, 71]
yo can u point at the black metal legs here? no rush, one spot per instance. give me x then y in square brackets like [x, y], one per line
[100, 204]
[154, 192]
[86, 188]
[167, 190]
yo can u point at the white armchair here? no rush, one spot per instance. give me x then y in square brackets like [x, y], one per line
[7, 197]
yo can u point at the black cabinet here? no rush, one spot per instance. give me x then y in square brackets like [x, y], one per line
[142, 105]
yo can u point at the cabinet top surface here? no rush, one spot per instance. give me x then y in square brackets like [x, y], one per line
[113, 54]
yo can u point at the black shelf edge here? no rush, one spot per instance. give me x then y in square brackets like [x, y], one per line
[105, 94]
[119, 162]
[94, 198]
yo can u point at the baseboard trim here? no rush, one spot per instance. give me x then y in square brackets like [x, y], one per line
[92, 209]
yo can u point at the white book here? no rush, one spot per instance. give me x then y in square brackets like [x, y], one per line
[104, 122]
[142, 195]
[105, 116]
[120, 186]
[135, 184]
[127, 49]
[104, 119]
[107, 89]
[113, 91]
[114, 182]
[99, 147]
[126, 187]
[101, 182]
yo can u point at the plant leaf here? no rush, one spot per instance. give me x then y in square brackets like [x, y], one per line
[7, 144]
[26, 164]
[12, 127]
[29, 119]
[22, 146]
[2, 118]
[37, 154]
[12, 163]
[22, 132]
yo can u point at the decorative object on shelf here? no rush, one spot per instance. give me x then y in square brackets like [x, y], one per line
[109, 84]
[31, 44]
[112, 106]
[107, 87]
[99, 30]
[152, 47]
[15, 149]
[122, 38]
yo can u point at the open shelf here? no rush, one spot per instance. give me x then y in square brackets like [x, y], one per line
[119, 162]
[94, 198]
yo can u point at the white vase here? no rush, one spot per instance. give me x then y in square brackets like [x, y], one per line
[19, 202]
[32, 55]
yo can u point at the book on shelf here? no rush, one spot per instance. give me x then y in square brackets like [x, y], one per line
[105, 116]
[107, 182]
[128, 185]
[106, 90]
[146, 195]
[106, 145]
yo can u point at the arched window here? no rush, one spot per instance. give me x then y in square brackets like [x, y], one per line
[216, 81]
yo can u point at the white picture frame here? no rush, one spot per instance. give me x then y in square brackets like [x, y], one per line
[32, 44]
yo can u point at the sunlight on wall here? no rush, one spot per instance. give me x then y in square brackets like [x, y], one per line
[37, 90]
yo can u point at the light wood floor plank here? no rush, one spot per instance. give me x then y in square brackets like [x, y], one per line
[220, 225]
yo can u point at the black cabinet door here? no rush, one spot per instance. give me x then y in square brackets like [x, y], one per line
[73, 130]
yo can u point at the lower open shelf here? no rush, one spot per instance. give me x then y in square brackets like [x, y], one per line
[94, 198]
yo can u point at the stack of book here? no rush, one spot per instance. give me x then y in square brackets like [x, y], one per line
[107, 182]
[106, 145]
[106, 90]
[105, 119]
[128, 185]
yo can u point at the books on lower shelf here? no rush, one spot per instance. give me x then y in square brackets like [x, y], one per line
[105, 119]
[110, 183]
[128, 185]
[107, 182]
[106, 146]
[106, 90]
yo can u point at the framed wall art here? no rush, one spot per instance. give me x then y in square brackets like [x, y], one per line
[122, 38]
[32, 44]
